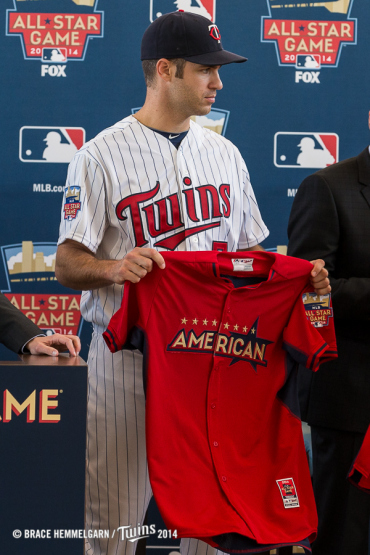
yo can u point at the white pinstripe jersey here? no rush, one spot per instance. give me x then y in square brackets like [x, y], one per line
[129, 186]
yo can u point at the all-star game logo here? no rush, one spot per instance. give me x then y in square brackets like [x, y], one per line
[234, 341]
[54, 31]
[318, 309]
[309, 36]
[33, 288]
[72, 204]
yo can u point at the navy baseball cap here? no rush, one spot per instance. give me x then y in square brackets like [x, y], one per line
[188, 36]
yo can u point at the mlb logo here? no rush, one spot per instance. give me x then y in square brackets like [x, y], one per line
[55, 55]
[308, 61]
[305, 150]
[50, 144]
[206, 8]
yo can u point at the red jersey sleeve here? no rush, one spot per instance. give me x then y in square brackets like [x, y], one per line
[359, 473]
[309, 336]
[127, 325]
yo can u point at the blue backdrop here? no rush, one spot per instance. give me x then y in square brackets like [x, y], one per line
[70, 68]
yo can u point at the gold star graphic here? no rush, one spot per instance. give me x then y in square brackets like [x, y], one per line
[236, 327]
[195, 321]
[214, 322]
[226, 326]
[205, 322]
[253, 330]
[245, 328]
[184, 320]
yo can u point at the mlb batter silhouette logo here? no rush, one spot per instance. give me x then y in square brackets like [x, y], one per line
[55, 55]
[206, 8]
[305, 150]
[308, 61]
[50, 144]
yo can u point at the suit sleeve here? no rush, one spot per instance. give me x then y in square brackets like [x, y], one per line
[309, 336]
[15, 328]
[314, 232]
[359, 473]
[127, 327]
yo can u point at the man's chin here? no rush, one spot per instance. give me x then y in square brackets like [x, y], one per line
[203, 111]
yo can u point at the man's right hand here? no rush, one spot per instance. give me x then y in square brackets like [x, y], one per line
[78, 267]
[135, 265]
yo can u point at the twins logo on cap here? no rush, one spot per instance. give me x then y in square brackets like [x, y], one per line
[214, 32]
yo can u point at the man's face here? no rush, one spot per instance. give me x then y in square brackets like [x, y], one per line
[195, 93]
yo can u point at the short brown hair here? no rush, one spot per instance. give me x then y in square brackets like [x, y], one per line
[149, 69]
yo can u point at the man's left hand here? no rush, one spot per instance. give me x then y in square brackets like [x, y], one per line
[52, 344]
[319, 278]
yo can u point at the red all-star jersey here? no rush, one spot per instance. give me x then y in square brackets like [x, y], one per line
[222, 334]
[359, 474]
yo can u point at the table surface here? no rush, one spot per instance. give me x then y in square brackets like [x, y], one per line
[64, 359]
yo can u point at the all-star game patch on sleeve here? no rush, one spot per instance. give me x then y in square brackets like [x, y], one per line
[83, 208]
[359, 474]
[310, 337]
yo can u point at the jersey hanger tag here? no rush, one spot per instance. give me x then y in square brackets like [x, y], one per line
[242, 264]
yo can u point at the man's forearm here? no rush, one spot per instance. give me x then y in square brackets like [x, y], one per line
[78, 268]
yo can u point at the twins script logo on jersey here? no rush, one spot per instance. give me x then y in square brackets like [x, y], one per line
[305, 150]
[49, 144]
[309, 35]
[239, 346]
[206, 8]
[164, 215]
[54, 36]
[33, 288]
[318, 309]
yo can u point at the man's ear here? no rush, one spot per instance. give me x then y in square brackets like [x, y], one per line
[165, 69]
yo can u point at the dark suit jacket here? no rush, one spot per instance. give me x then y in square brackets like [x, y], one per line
[15, 328]
[330, 219]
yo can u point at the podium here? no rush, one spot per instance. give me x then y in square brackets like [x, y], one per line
[42, 455]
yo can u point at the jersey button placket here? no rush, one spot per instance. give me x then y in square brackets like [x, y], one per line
[212, 404]
[224, 329]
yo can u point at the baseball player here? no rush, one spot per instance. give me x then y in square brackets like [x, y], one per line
[154, 181]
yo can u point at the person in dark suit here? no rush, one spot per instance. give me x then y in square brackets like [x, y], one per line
[330, 219]
[21, 335]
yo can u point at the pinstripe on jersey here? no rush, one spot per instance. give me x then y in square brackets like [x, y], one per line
[136, 188]
[137, 167]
